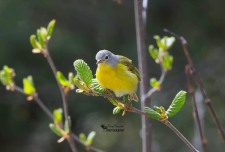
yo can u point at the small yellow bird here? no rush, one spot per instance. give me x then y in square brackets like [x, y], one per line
[116, 73]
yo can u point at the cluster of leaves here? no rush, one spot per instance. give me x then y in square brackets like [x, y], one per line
[159, 113]
[67, 84]
[6, 77]
[40, 40]
[60, 129]
[87, 140]
[161, 56]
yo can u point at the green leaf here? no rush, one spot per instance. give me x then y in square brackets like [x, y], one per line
[82, 137]
[83, 71]
[97, 87]
[155, 83]
[116, 110]
[66, 127]
[34, 43]
[177, 104]
[28, 86]
[42, 36]
[153, 52]
[90, 138]
[158, 42]
[55, 129]
[113, 101]
[6, 76]
[57, 116]
[50, 28]
[168, 41]
[70, 77]
[167, 61]
[126, 99]
[152, 113]
[62, 80]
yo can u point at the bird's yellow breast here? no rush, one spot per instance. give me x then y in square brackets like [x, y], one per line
[118, 79]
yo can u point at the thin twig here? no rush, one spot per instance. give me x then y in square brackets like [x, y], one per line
[191, 147]
[153, 90]
[142, 64]
[38, 101]
[63, 95]
[199, 83]
[49, 114]
[195, 109]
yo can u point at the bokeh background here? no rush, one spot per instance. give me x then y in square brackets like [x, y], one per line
[85, 26]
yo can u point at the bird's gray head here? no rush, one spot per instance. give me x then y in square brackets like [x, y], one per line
[105, 56]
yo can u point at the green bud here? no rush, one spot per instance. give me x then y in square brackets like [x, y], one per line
[152, 113]
[34, 43]
[42, 36]
[62, 80]
[116, 110]
[57, 116]
[28, 86]
[6, 76]
[82, 137]
[155, 83]
[50, 28]
[90, 138]
[66, 127]
[55, 129]
[153, 52]
[167, 61]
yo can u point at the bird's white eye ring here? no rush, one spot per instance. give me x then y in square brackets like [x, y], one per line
[106, 57]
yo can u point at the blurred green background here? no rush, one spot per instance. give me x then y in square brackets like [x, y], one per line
[85, 26]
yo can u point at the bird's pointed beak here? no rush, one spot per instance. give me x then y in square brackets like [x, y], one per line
[99, 61]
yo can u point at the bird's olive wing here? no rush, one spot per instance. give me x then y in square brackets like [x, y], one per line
[128, 62]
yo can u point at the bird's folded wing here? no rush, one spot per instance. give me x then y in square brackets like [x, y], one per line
[128, 62]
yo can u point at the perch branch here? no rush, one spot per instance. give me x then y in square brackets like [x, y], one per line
[130, 108]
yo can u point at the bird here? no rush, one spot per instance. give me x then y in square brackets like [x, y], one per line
[118, 74]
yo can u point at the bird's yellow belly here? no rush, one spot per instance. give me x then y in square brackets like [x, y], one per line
[118, 79]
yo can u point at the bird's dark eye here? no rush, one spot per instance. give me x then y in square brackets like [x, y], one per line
[106, 57]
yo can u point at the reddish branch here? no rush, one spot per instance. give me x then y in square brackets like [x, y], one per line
[199, 83]
[195, 109]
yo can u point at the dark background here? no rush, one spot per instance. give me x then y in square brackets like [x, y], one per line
[85, 26]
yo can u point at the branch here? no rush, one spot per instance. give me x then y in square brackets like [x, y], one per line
[199, 83]
[38, 101]
[195, 109]
[190, 146]
[130, 108]
[64, 98]
[153, 90]
[49, 114]
[142, 64]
